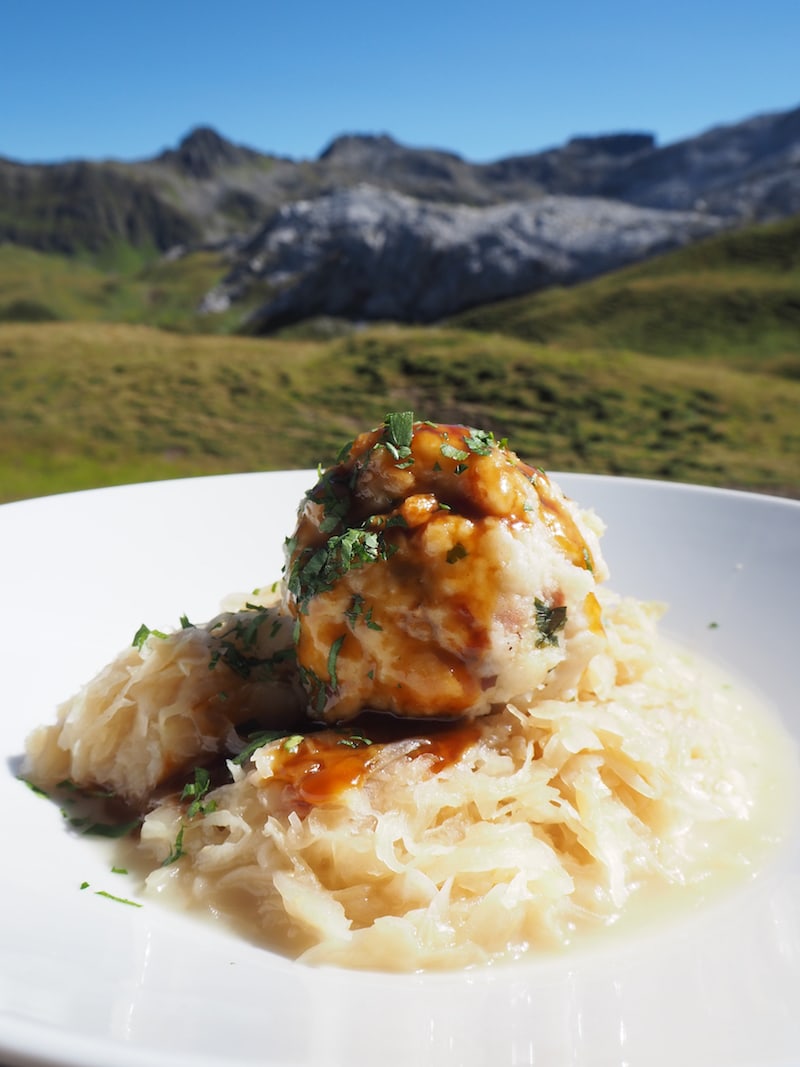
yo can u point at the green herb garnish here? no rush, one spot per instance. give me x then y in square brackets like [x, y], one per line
[479, 441]
[119, 900]
[255, 742]
[400, 428]
[549, 621]
[398, 433]
[103, 829]
[235, 647]
[143, 633]
[196, 791]
[317, 571]
[354, 741]
[177, 849]
[451, 452]
[333, 656]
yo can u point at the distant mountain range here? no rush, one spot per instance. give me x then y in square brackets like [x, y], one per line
[373, 229]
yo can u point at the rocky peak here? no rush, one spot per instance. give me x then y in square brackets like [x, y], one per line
[613, 144]
[353, 147]
[365, 253]
[203, 151]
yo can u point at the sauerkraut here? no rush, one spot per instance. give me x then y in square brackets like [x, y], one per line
[577, 761]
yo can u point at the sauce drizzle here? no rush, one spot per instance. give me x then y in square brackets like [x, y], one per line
[324, 764]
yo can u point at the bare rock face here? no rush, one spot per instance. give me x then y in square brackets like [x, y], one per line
[365, 253]
[203, 152]
[374, 229]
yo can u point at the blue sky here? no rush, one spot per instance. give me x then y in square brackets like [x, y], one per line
[126, 79]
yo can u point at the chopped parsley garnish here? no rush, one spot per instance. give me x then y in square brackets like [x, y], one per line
[235, 646]
[103, 829]
[456, 553]
[451, 452]
[355, 610]
[398, 434]
[255, 742]
[333, 656]
[196, 791]
[400, 428]
[479, 441]
[35, 789]
[354, 741]
[119, 900]
[344, 451]
[549, 621]
[177, 849]
[317, 571]
[142, 634]
[85, 824]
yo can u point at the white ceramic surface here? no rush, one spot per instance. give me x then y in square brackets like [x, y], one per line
[89, 982]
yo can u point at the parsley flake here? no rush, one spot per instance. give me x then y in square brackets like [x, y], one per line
[549, 621]
[257, 741]
[196, 791]
[398, 433]
[317, 571]
[333, 656]
[177, 849]
[400, 428]
[142, 634]
[451, 452]
[479, 441]
[119, 900]
[354, 741]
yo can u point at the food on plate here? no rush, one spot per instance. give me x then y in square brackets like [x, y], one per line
[433, 574]
[169, 702]
[440, 740]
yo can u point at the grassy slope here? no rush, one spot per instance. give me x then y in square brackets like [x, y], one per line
[85, 404]
[123, 286]
[687, 367]
[734, 299]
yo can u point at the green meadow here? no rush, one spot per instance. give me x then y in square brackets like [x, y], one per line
[685, 368]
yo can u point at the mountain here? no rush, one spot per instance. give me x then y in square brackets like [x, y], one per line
[369, 253]
[373, 228]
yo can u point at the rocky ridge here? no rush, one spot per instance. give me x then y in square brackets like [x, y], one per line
[376, 229]
[366, 253]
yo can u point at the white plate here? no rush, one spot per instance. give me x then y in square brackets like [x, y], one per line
[90, 982]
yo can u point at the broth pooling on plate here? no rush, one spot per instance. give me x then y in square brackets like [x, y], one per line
[442, 741]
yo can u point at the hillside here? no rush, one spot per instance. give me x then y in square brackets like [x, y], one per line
[683, 365]
[733, 298]
[48, 286]
[382, 214]
[94, 404]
